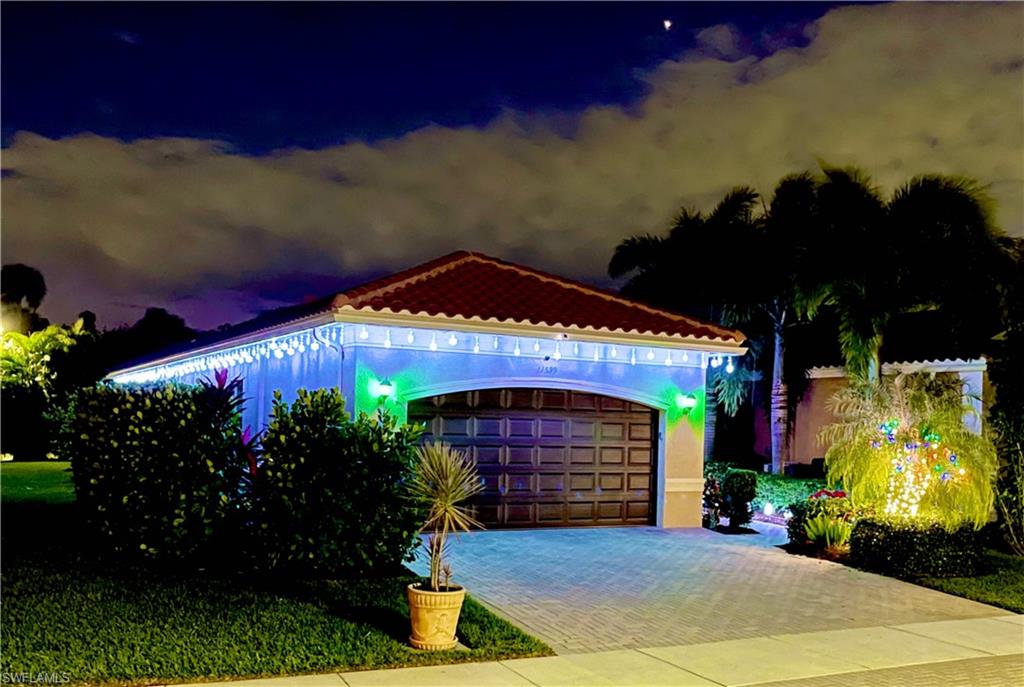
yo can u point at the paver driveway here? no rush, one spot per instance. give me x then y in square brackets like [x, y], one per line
[610, 588]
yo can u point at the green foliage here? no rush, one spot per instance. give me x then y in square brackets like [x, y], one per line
[444, 479]
[25, 358]
[129, 626]
[915, 548]
[37, 481]
[31, 389]
[832, 505]
[738, 489]
[1010, 499]
[156, 469]
[861, 456]
[329, 494]
[782, 490]
[1000, 584]
[828, 532]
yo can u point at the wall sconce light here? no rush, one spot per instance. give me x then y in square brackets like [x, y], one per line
[382, 389]
[686, 402]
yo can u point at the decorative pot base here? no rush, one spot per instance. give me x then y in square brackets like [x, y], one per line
[434, 616]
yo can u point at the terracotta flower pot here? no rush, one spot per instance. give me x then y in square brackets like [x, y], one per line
[434, 616]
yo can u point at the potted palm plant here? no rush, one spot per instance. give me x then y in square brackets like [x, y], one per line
[443, 481]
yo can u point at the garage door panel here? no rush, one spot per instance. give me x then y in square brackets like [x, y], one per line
[613, 431]
[612, 482]
[519, 513]
[554, 400]
[613, 456]
[610, 510]
[639, 431]
[519, 399]
[486, 455]
[454, 427]
[638, 510]
[582, 456]
[519, 455]
[580, 512]
[583, 429]
[612, 405]
[550, 512]
[487, 398]
[584, 402]
[582, 482]
[638, 481]
[488, 427]
[552, 429]
[551, 485]
[517, 485]
[520, 428]
[639, 455]
[550, 457]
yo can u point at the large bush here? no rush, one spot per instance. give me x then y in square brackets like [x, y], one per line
[901, 446]
[915, 548]
[157, 469]
[738, 490]
[331, 493]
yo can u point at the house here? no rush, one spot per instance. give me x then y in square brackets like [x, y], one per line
[580, 407]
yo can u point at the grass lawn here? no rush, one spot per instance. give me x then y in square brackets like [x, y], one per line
[1002, 586]
[67, 609]
[44, 481]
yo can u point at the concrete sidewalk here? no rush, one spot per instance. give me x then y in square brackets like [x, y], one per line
[979, 651]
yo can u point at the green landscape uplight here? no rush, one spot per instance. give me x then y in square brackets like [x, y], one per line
[686, 402]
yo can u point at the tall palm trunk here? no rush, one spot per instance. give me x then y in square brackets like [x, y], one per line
[779, 407]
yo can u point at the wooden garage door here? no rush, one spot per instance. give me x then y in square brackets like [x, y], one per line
[550, 458]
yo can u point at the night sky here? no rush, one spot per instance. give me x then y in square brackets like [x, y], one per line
[218, 160]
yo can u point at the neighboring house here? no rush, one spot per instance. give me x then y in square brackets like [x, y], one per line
[812, 412]
[580, 407]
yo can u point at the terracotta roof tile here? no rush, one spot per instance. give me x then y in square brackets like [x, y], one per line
[472, 285]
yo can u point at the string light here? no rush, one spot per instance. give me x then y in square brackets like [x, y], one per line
[316, 339]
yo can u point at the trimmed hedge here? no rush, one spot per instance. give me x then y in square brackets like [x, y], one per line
[782, 490]
[330, 497]
[738, 490]
[915, 548]
[156, 470]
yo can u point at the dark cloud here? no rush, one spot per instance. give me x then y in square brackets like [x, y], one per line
[195, 226]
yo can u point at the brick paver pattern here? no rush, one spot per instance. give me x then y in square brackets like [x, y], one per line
[597, 589]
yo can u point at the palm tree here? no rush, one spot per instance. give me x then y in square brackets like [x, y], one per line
[773, 279]
[911, 252]
[23, 291]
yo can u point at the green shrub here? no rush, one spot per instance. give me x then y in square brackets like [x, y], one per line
[781, 490]
[156, 469]
[833, 505]
[738, 490]
[915, 548]
[828, 532]
[330, 494]
[716, 470]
